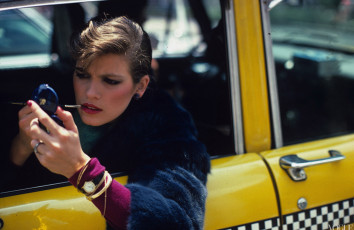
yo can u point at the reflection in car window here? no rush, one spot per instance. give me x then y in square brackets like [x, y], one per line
[313, 49]
[25, 31]
[173, 26]
[213, 11]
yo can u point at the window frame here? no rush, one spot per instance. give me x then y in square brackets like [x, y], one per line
[271, 75]
[234, 76]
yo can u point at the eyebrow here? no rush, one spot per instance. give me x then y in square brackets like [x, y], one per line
[111, 75]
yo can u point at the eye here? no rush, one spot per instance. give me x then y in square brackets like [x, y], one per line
[81, 75]
[111, 82]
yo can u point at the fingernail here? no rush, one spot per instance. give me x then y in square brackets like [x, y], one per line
[60, 109]
[29, 103]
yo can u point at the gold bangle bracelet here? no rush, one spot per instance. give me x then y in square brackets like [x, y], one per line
[81, 173]
[105, 203]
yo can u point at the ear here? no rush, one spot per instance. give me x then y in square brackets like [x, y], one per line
[142, 85]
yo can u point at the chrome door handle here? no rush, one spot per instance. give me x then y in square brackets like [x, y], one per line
[295, 165]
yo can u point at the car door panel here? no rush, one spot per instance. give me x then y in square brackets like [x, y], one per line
[57, 208]
[328, 189]
[239, 185]
[54, 209]
[315, 113]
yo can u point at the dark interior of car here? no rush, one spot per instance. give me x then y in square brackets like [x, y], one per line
[314, 106]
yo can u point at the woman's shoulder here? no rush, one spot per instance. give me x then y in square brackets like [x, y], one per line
[162, 111]
[159, 100]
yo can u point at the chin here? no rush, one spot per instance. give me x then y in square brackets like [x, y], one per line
[92, 122]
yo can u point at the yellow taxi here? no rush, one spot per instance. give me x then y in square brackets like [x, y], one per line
[270, 85]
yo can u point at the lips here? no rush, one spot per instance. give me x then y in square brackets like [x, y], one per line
[90, 108]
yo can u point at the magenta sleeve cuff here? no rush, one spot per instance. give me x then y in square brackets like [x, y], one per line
[118, 196]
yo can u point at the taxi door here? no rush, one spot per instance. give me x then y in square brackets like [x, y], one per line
[315, 183]
[312, 160]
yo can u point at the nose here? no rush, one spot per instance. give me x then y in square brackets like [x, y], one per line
[93, 90]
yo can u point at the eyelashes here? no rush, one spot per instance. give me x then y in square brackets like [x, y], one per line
[80, 73]
[109, 81]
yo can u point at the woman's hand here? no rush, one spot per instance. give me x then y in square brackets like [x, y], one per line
[21, 147]
[61, 150]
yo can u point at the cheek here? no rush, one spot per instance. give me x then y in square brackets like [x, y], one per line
[78, 87]
[121, 96]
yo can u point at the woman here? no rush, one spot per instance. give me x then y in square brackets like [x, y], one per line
[124, 123]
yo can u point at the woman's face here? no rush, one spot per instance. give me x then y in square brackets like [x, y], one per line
[105, 89]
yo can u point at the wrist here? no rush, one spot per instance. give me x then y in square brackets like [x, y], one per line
[92, 169]
[78, 166]
[19, 152]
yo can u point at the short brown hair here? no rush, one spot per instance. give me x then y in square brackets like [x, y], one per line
[119, 36]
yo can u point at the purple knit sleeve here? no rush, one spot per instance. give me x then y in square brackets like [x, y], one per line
[118, 197]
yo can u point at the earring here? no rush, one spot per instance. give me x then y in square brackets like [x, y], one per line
[136, 96]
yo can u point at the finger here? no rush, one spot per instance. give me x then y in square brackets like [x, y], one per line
[34, 122]
[42, 152]
[25, 116]
[26, 122]
[37, 133]
[24, 111]
[38, 147]
[67, 119]
[43, 117]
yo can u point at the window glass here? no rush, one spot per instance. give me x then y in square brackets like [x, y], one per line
[213, 10]
[191, 55]
[25, 31]
[189, 63]
[313, 48]
[172, 27]
[25, 37]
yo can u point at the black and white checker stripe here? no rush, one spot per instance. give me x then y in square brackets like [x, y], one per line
[269, 224]
[324, 217]
[331, 216]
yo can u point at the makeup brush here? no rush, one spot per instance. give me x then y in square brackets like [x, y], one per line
[65, 106]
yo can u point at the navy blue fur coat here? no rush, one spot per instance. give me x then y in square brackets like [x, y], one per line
[155, 141]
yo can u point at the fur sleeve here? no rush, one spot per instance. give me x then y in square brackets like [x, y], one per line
[174, 199]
